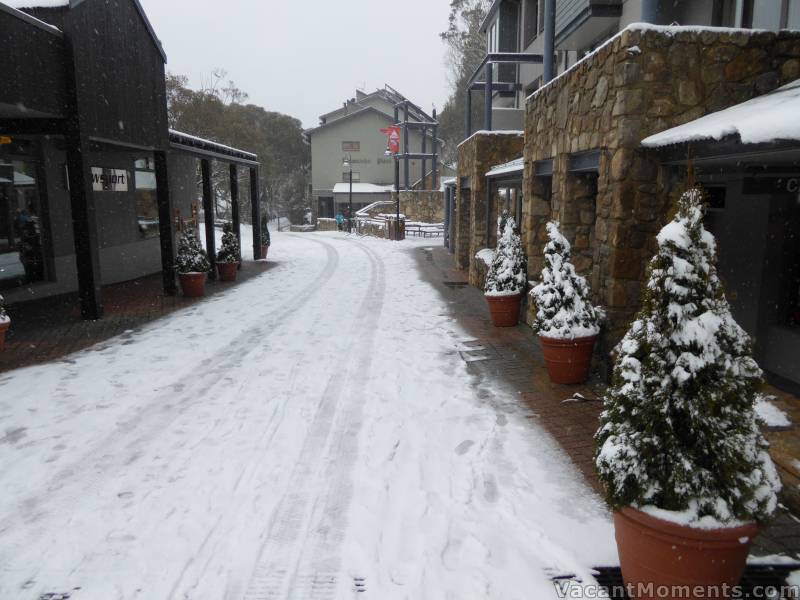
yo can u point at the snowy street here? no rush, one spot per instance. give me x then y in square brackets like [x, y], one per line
[310, 434]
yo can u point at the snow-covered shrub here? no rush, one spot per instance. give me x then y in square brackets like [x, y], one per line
[229, 251]
[191, 256]
[679, 437]
[507, 272]
[563, 307]
[3, 314]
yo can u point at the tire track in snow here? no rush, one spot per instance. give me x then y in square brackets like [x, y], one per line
[300, 559]
[74, 480]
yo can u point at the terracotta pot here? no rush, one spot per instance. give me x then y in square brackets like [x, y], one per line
[504, 309]
[264, 251]
[193, 284]
[655, 553]
[568, 361]
[227, 270]
[4, 327]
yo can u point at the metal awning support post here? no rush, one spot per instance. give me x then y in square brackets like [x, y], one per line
[447, 217]
[435, 166]
[488, 211]
[549, 40]
[487, 108]
[81, 195]
[468, 113]
[452, 246]
[208, 216]
[165, 224]
[255, 207]
[424, 161]
[235, 217]
[405, 148]
[397, 200]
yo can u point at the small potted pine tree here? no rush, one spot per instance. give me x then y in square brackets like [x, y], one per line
[5, 323]
[265, 241]
[192, 264]
[566, 320]
[683, 462]
[506, 279]
[229, 256]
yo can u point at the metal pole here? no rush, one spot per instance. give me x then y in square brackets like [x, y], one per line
[167, 233]
[468, 114]
[488, 212]
[487, 108]
[650, 11]
[424, 162]
[397, 191]
[255, 212]
[549, 39]
[405, 146]
[350, 203]
[235, 217]
[447, 217]
[208, 211]
[435, 166]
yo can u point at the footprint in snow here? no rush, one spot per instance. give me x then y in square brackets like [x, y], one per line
[464, 447]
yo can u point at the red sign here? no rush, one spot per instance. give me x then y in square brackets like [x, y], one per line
[393, 133]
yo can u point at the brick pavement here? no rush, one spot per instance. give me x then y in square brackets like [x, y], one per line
[512, 356]
[49, 329]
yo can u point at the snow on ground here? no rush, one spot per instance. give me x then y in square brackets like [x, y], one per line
[770, 415]
[304, 434]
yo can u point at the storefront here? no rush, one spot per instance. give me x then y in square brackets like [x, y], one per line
[92, 181]
[750, 169]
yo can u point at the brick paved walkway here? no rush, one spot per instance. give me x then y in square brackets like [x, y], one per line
[49, 329]
[513, 357]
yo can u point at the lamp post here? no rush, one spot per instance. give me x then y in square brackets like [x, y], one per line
[348, 166]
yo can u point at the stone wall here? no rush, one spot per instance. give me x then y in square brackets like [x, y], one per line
[476, 156]
[324, 224]
[421, 206]
[642, 82]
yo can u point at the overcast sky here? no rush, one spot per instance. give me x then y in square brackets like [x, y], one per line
[305, 58]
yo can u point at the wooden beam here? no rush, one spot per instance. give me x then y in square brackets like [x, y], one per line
[209, 214]
[165, 224]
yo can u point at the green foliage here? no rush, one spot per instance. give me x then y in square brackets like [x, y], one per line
[218, 112]
[3, 313]
[678, 431]
[229, 250]
[508, 272]
[466, 49]
[265, 239]
[192, 258]
[564, 309]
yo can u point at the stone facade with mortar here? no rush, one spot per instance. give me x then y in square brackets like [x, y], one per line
[476, 156]
[421, 206]
[642, 82]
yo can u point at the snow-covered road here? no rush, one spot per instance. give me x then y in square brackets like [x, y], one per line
[310, 434]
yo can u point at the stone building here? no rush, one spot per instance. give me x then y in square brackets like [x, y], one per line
[586, 127]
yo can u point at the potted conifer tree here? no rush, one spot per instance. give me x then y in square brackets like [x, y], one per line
[506, 279]
[192, 264]
[265, 241]
[566, 320]
[5, 323]
[229, 256]
[684, 464]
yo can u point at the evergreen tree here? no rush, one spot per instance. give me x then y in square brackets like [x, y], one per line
[229, 250]
[507, 273]
[562, 298]
[265, 240]
[191, 256]
[3, 313]
[678, 431]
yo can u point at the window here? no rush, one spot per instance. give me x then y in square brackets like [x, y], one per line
[346, 176]
[147, 218]
[22, 245]
[793, 15]
[493, 37]
[351, 146]
[531, 18]
[770, 14]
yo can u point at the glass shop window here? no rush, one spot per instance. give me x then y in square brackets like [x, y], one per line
[22, 257]
[356, 176]
[146, 200]
[351, 146]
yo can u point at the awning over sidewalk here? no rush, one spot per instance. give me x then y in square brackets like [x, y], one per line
[511, 168]
[770, 118]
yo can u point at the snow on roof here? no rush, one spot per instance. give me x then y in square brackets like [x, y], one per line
[20, 179]
[773, 116]
[19, 4]
[495, 132]
[362, 188]
[669, 30]
[194, 138]
[515, 166]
